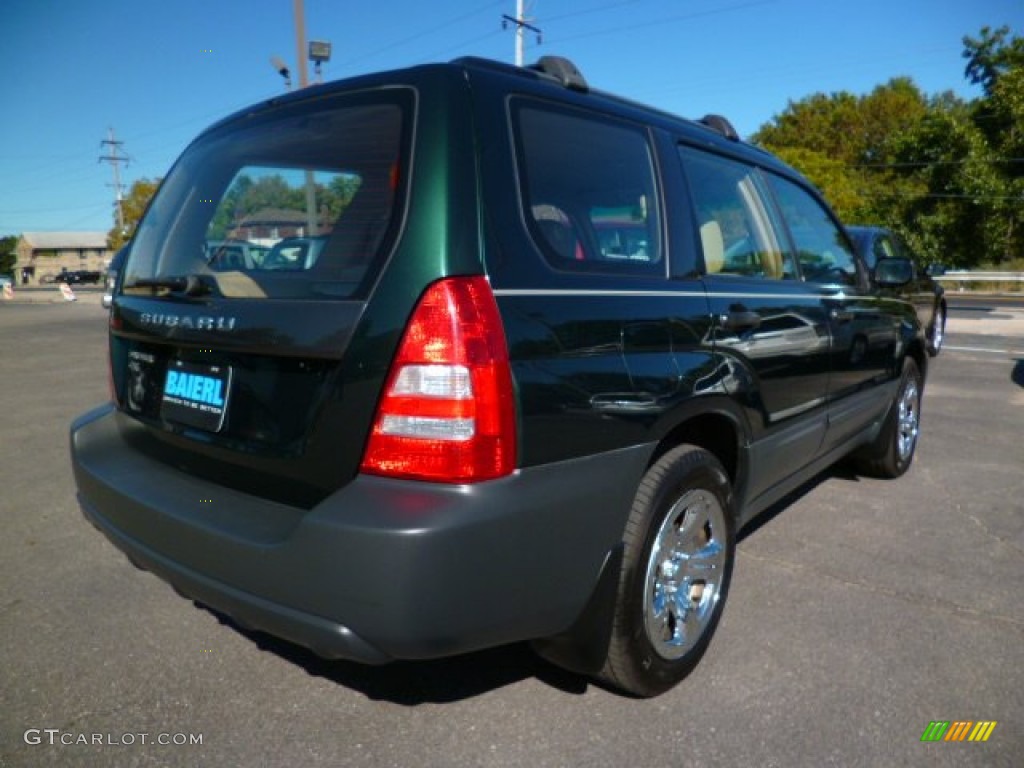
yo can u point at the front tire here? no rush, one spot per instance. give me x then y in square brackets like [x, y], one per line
[679, 546]
[937, 334]
[893, 450]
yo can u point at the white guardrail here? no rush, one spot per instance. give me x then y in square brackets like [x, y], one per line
[962, 277]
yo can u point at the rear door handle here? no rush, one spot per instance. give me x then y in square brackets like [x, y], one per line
[841, 315]
[739, 320]
[626, 402]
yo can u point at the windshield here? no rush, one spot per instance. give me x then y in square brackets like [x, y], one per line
[295, 203]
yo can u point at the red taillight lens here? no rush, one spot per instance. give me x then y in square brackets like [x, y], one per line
[448, 410]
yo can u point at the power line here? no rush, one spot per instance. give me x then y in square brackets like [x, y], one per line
[453, 49]
[418, 36]
[25, 211]
[666, 20]
[927, 164]
[940, 196]
[588, 11]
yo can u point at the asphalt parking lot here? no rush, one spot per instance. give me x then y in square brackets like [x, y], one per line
[860, 611]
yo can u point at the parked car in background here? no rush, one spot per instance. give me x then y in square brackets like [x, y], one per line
[927, 296]
[294, 253]
[113, 271]
[228, 255]
[79, 277]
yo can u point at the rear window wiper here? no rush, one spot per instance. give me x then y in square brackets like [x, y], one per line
[188, 285]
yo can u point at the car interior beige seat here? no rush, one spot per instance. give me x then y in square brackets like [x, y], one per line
[714, 246]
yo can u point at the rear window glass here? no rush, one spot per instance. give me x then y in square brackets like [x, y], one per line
[589, 193]
[295, 204]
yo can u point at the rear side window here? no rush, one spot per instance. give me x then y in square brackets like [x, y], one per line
[588, 190]
[822, 248]
[295, 204]
[737, 230]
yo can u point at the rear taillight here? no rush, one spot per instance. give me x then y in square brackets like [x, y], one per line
[448, 411]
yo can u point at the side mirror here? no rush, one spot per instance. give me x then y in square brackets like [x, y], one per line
[894, 273]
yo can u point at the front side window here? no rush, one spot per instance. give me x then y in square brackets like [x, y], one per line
[293, 205]
[588, 188]
[737, 231]
[822, 248]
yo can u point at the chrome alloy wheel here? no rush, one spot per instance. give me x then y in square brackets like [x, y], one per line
[909, 417]
[684, 573]
[938, 331]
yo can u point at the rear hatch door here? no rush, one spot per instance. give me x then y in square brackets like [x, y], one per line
[244, 289]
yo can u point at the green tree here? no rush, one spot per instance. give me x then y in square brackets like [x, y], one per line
[845, 144]
[991, 55]
[945, 172]
[946, 157]
[8, 257]
[231, 208]
[336, 196]
[246, 197]
[855, 130]
[842, 187]
[820, 123]
[1001, 116]
[270, 192]
[132, 207]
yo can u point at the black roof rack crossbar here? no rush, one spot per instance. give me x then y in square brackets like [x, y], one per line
[720, 125]
[562, 70]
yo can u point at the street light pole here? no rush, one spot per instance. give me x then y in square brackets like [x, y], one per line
[300, 41]
[312, 227]
[319, 52]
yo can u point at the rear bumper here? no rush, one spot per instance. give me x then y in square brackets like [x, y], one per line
[382, 569]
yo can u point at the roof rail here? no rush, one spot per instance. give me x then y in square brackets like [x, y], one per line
[562, 70]
[720, 125]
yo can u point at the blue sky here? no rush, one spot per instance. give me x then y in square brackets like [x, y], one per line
[158, 72]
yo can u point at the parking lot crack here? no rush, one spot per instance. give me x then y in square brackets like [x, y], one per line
[988, 531]
[917, 599]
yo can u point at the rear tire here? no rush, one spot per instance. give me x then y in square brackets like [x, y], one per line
[679, 546]
[892, 452]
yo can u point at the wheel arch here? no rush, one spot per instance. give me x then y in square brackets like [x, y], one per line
[718, 429]
[917, 349]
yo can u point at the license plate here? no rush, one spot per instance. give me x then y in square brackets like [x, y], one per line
[196, 394]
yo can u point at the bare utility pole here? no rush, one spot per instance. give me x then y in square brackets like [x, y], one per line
[521, 23]
[115, 157]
